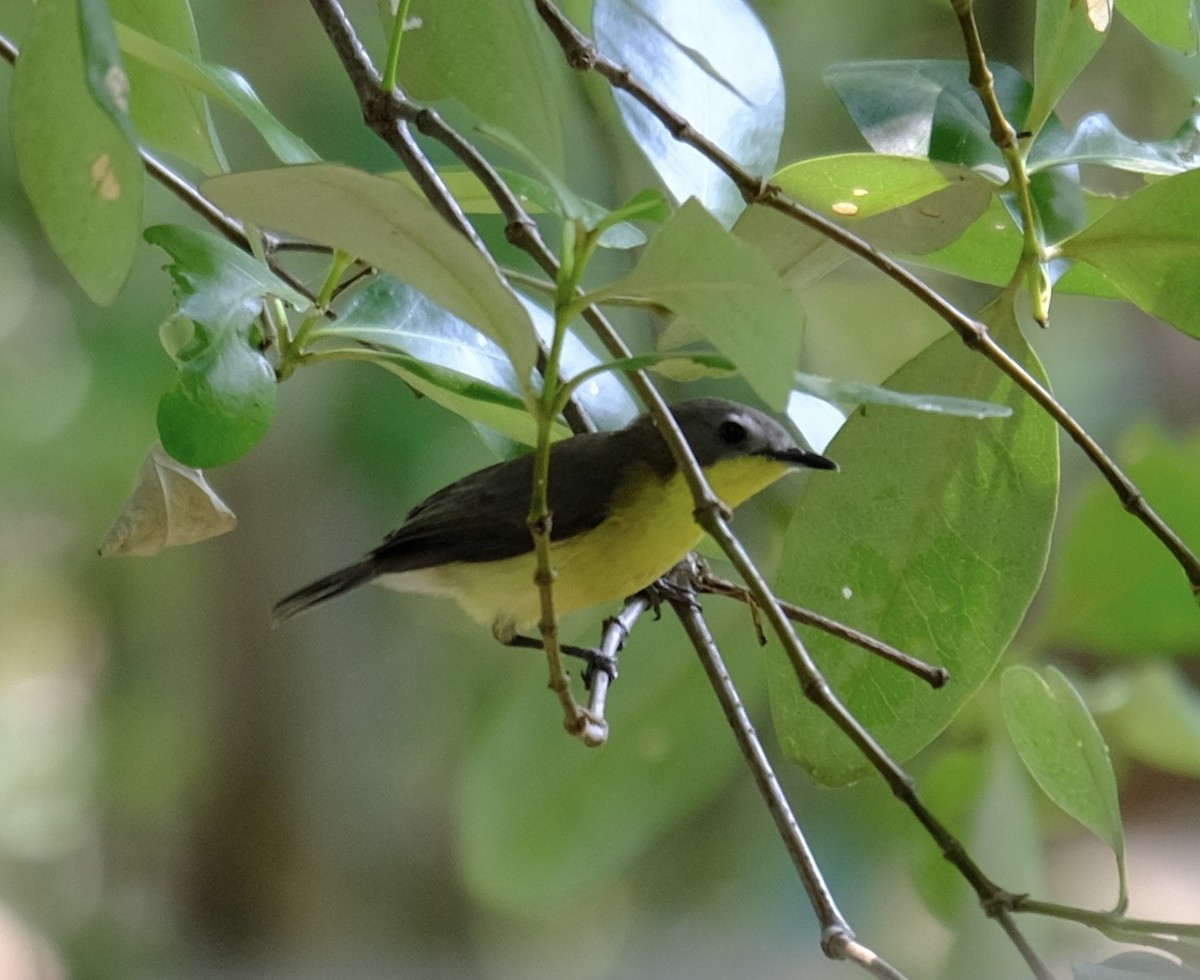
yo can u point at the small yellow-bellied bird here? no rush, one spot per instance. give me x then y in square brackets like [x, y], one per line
[622, 517]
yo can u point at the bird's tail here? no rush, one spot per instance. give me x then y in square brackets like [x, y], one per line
[334, 584]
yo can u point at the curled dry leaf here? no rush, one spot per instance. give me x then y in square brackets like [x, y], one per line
[171, 505]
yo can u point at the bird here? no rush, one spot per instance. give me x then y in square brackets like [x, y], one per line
[622, 515]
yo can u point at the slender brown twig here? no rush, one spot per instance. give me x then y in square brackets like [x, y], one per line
[935, 677]
[837, 938]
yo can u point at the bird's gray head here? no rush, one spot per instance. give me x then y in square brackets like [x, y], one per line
[719, 429]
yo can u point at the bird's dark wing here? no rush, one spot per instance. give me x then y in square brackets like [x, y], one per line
[482, 517]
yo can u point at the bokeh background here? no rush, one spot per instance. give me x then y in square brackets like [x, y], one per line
[185, 793]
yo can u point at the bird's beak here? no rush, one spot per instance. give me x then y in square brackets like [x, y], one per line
[801, 457]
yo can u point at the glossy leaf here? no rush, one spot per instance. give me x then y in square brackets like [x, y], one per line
[1113, 591]
[1067, 35]
[168, 113]
[1097, 140]
[218, 282]
[221, 84]
[221, 403]
[728, 292]
[79, 167]
[928, 109]
[1134, 965]
[860, 393]
[1171, 23]
[458, 367]
[460, 48]
[713, 63]
[223, 398]
[1158, 723]
[392, 228]
[934, 538]
[1149, 247]
[1063, 750]
[171, 505]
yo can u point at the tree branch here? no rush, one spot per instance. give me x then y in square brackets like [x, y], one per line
[837, 938]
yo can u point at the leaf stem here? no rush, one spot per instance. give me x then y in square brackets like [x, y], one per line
[388, 81]
[1030, 266]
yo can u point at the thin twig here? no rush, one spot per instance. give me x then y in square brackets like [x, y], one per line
[581, 54]
[1108, 923]
[388, 114]
[935, 677]
[837, 938]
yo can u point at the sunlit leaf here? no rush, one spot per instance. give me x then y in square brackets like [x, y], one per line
[1134, 965]
[928, 109]
[76, 157]
[1171, 23]
[1063, 750]
[860, 393]
[1149, 247]
[728, 292]
[171, 505]
[1067, 35]
[168, 113]
[713, 63]
[394, 229]
[1097, 140]
[933, 537]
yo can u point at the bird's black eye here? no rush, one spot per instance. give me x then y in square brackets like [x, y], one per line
[731, 431]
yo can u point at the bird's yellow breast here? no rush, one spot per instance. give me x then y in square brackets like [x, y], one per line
[651, 527]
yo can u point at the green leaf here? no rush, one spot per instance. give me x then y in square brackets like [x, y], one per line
[1149, 247]
[1067, 35]
[221, 84]
[168, 113]
[860, 393]
[933, 538]
[460, 48]
[459, 368]
[855, 188]
[80, 168]
[728, 292]
[928, 109]
[1159, 721]
[1062, 748]
[392, 228]
[1097, 140]
[220, 285]
[1171, 23]
[713, 63]
[1114, 589]
[1135, 965]
[223, 397]
[221, 403]
[171, 505]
